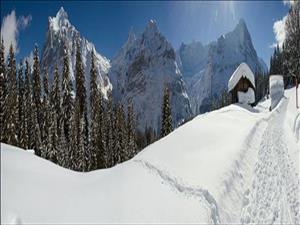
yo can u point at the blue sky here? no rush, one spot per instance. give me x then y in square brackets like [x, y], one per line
[106, 24]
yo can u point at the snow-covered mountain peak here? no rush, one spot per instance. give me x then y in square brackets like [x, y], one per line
[240, 33]
[61, 32]
[139, 72]
[151, 29]
[131, 37]
[59, 21]
[204, 67]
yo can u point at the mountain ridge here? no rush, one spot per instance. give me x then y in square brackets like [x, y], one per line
[206, 72]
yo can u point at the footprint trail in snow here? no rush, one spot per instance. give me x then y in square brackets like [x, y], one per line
[273, 197]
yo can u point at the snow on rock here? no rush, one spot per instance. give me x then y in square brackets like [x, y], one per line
[246, 97]
[243, 70]
[229, 166]
[140, 71]
[211, 65]
[61, 31]
[276, 89]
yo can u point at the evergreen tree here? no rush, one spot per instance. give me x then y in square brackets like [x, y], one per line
[36, 138]
[123, 132]
[36, 97]
[3, 93]
[100, 142]
[83, 161]
[46, 115]
[292, 41]
[87, 153]
[131, 134]
[109, 133]
[28, 129]
[67, 110]
[52, 148]
[120, 136]
[95, 107]
[63, 158]
[55, 129]
[21, 108]
[67, 100]
[166, 126]
[12, 114]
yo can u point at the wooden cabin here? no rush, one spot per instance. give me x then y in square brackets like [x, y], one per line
[243, 86]
[241, 81]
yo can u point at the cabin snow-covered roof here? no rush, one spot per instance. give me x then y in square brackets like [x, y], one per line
[243, 70]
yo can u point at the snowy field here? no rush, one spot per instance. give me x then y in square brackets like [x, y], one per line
[233, 165]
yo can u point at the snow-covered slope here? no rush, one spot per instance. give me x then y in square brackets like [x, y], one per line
[61, 31]
[139, 72]
[206, 69]
[234, 165]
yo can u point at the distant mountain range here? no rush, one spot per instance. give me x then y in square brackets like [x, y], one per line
[147, 63]
[206, 69]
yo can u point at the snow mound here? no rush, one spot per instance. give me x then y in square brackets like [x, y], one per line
[243, 70]
[276, 89]
[246, 97]
[229, 166]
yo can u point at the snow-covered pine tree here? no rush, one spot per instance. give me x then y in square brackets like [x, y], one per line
[100, 142]
[28, 110]
[21, 108]
[55, 102]
[109, 132]
[52, 148]
[166, 126]
[131, 134]
[36, 138]
[87, 152]
[94, 104]
[36, 94]
[117, 152]
[46, 115]
[80, 161]
[123, 134]
[3, 93]
[12, 114]
[73, 153]
[63, 158]
[292, 41]
[82, 140]
[67, 100]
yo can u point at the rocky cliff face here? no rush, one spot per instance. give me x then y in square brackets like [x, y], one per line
[139, 72]
[61, 31]
[207, 69]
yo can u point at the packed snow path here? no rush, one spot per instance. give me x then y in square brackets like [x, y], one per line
[274, 193]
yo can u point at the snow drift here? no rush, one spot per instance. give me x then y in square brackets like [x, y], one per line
[246, 97]
[233, 165]
[276, 89]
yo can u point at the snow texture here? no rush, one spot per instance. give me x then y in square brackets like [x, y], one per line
[246, 97]
[276, 89]
[243, 70]
[236, 165]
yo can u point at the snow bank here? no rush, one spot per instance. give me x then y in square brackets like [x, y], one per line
[243, 70]
[246, 97]
[276, 89]
[200, 173]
